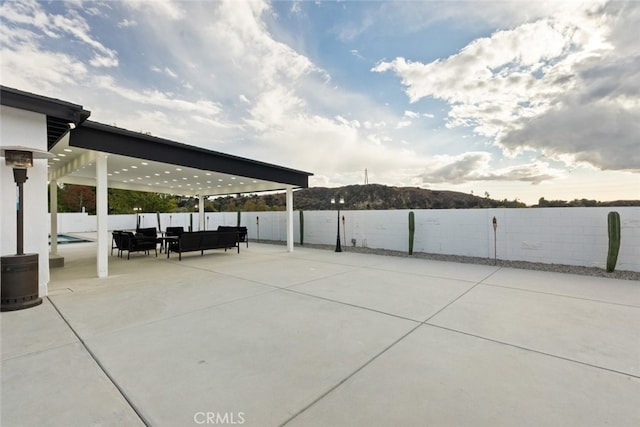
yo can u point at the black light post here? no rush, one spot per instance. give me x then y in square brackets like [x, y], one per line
[20, 271]
[339, 202]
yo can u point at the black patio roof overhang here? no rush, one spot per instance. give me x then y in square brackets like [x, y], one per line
[59, 113]
[160, 165]
[113, 140]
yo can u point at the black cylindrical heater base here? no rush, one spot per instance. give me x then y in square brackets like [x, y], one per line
[19, 282]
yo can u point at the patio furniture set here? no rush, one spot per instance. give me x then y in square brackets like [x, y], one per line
[175, 239]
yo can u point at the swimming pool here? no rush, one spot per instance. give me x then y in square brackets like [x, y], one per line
[64, 239]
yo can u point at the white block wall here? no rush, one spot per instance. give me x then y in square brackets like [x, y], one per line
[572, 236]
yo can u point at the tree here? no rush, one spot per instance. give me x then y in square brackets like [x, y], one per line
[123, 201]
[76, 197]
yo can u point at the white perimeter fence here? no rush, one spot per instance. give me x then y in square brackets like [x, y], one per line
[572, 236]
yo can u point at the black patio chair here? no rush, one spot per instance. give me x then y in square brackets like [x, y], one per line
[116, 242]
[173, 232]
[138, 243]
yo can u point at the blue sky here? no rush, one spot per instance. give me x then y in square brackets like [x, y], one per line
[517, 99]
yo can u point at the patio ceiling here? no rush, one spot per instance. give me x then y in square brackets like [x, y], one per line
[142, 162]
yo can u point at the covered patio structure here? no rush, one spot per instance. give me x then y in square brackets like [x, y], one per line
[105, 156]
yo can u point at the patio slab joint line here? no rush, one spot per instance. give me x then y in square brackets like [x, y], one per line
[532, 350]
[102, 368]
[345, 379]
[560, 295]
[461, 295]
[397, 316]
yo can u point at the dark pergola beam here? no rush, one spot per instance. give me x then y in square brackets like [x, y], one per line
[109, 139]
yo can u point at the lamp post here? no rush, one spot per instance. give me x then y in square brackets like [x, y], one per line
[495, 241]
[339, 203]
[20, 271]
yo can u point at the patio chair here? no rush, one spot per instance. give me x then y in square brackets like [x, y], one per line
[173, 232]
[116, 242]
[150, 233]
[138, 243]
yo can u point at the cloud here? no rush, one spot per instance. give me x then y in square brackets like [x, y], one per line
[476, 166]
[55, 26]
[170, 9]
[126, 23]
[565, 86]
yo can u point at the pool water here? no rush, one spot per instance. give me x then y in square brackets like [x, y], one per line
[65, 238]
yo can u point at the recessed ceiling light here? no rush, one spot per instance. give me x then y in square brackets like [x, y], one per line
[134, 167]
[195, 176]
[174, 180]
[145, 163]
[56, 159]
[109, 174]
[116, 171]
[156, 174]
[68, 150]
[254, 181]
[208, 174]
[178, 169]
[184, 178]
[147, 176]
[233, 177]
[125, 170]
[220, 179]
[62, 155]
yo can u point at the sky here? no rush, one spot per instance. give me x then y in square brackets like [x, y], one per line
[511, 99]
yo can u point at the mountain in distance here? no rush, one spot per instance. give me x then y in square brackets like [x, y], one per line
[381, 197]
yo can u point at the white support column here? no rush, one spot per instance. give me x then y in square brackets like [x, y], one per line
[289, 219]
[53, 209]
[201, 211]
[102, 212]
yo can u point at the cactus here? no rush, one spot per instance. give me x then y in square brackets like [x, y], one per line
[613, 221]
[301, 228]
[412, 230]
[238, 218]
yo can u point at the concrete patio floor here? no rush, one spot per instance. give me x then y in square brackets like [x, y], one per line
[317, 338]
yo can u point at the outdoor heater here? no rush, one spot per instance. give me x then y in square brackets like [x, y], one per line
[20, 271]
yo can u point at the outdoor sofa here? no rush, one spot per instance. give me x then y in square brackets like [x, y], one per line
[190, 241]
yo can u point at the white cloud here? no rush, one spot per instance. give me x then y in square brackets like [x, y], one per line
[30, 13]
[170, 9]
[476, 166]
[541, 86]
[126, 23]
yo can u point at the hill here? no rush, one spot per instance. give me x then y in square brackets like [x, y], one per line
[362, 197]
[376, 196]
[381, 197]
